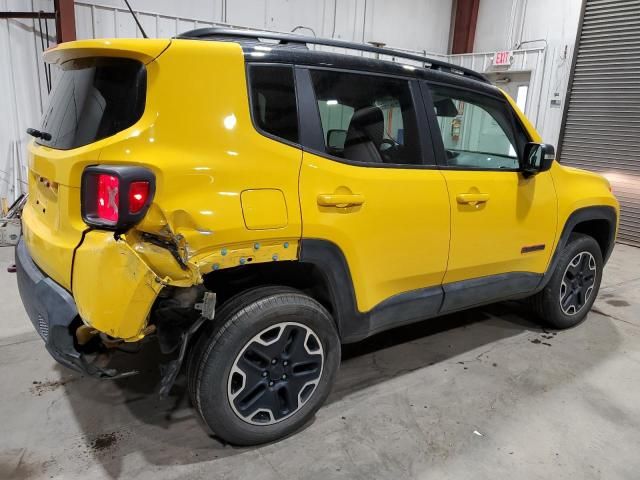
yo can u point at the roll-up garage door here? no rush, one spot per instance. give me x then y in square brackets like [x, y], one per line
[601, 130]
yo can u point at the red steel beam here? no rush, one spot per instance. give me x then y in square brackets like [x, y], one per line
[464, 26]
[65, 20]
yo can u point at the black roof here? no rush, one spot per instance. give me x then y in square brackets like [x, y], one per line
[291, 48]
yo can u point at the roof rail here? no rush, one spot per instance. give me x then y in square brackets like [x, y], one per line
[285, 38]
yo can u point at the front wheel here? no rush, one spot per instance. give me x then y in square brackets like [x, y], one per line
[573, 287]
[267, 368]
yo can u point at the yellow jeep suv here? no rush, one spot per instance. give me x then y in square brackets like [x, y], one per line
[252, 203]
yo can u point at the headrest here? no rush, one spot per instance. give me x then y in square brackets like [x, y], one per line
[366, 124]
[445, 108]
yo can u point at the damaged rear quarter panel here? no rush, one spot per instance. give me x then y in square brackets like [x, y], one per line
[197, 137]
[201, 144]
[113, 288]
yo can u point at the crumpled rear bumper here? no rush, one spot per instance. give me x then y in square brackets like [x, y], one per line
[52, 311]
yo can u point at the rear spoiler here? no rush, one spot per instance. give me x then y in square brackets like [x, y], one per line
[144, 50]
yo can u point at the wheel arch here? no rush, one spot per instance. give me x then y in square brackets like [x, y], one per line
[599, 222]
[601, 230]
[307, 277]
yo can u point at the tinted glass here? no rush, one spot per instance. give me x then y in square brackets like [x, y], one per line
[93, 99]
[366, 118]
[477, 130]
[273, 101]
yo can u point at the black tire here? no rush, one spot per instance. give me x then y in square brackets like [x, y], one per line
[209, 330]
[557, 305]
[228, 365]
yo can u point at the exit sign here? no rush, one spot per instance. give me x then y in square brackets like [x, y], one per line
[502, 58]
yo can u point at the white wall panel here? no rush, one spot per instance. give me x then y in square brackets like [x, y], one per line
[495, 20]
[84, 22]
[504, 24]
[247, 12]
[95, 20]
[287, 14]
[103, 23]
[414, 24]
[409, 24]
[206, 10]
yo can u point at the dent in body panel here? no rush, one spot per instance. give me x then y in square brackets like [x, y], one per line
[195, 224]
[116, 279]
[113, 287]
[204, 175]
[166, 244]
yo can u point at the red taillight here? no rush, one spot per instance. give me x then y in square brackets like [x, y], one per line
[108, 197]
[138, 195]
[116, 197]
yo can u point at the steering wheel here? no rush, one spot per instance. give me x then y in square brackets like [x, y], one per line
[451, 154]
[388, 143]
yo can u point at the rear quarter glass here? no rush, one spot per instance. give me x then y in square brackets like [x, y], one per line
[94, 99]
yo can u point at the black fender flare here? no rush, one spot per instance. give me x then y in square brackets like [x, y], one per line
[354, 325]
[328, 258]
[585, 214]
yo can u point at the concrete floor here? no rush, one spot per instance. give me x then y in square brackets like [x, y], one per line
[483, 394]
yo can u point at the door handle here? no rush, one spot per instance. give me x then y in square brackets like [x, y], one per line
[341, 200]
[472, 198]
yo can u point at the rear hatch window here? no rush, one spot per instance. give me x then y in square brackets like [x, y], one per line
[94, 99]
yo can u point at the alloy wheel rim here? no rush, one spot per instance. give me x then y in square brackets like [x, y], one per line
[275, 373]
[577, 283]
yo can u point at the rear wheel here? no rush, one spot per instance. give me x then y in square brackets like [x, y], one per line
[573, 287]
[267, 367]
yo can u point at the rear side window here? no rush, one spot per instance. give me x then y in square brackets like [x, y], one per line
[273, 100]
[94, 99]
[367, 118]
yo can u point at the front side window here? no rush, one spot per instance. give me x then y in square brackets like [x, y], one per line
[273, 100]
[477, 130]
[366, 118]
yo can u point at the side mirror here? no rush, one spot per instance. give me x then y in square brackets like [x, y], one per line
[336, 139]
[538, 157]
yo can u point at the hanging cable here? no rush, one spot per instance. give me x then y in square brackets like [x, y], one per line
[364, 21]
[48, 66]
[144, 34]
[46, 70]
[335, 11]
[302, 27]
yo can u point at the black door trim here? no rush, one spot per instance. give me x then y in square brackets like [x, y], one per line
[310, 125]
[484, 290]
[407, 307]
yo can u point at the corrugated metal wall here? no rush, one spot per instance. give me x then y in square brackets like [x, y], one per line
[602, 120]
